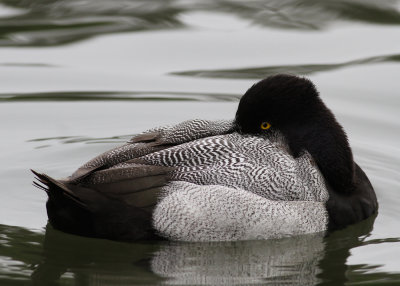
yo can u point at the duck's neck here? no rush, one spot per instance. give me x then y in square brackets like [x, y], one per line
[327, 143]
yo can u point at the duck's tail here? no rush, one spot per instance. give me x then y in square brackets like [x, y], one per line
[83, 211]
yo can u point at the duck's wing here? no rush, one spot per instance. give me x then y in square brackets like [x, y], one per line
[134, 184]
[111, 158]
[114, 203]
[184, 132]
[84, 210]
[113, 195]
[152, 141]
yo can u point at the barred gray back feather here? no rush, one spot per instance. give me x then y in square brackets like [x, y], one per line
[259, 165]
[185, 131]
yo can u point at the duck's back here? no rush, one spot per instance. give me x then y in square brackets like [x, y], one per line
[260, 165]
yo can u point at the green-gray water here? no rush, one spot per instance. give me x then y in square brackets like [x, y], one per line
[78, 77]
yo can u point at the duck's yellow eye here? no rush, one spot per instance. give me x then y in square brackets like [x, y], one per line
[265, 125]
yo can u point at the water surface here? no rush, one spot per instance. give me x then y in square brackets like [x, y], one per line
[79, 77]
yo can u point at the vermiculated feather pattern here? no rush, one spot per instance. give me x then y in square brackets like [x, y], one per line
[233, 186]
[192, 212]
[261, 165]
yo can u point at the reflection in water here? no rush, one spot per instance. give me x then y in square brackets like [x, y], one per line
[20, 251]
[306, 69]
[314, 14]
[50, 141]
[289, 261]
[55, 22]
[94, 261]
[118, 95]
[59, 257]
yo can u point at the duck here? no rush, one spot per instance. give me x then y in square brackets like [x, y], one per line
[281, 167]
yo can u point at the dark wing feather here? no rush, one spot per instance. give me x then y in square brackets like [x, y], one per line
[114, 157]
[134, 184]
[48, 184]
[110, 197]
[85, 211]
[145, 137]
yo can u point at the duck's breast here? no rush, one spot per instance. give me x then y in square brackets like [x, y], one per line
[192, 212]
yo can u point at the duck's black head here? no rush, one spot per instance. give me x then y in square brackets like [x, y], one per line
[281, 100]
[292, 106]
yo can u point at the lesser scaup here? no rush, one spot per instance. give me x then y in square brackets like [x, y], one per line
[282, 167]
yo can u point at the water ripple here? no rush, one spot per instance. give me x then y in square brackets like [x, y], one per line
[79, 139]
[304, 69]
[117, 95]
[56, 22]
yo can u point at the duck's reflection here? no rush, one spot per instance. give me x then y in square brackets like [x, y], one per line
[302, 260]
[290, 260]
